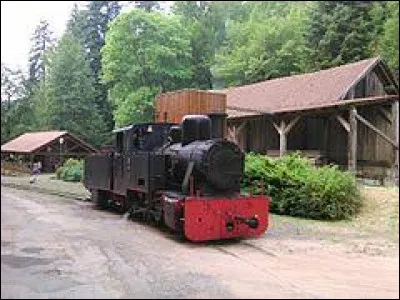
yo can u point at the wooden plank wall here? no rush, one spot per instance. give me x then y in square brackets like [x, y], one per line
[373, 148]
[260, 136]
[173, 106]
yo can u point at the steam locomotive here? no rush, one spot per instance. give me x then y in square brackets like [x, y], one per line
[186, 176]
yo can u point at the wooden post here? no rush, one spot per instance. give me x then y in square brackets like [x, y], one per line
[395, 123]
[31, 162]
[283, 131]
[343, 122]
[352, 141]
[282, 139]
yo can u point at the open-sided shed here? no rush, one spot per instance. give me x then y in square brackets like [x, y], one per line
[48, 147]
[347, 115]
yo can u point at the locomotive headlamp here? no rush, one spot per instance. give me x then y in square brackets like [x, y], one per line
[150, 129]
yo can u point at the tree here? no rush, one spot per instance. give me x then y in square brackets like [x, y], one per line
[89, 27]
[144, 50]
[196, 19]
[206, 22]
[147, 5]
[389, 40]
[12, 90]
[42, 40]
[339, 32]
[77, 24]
[269, 44]
[70, 94]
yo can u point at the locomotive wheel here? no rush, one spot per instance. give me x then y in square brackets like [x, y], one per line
[99, 199]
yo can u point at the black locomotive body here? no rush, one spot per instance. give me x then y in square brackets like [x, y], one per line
[185, 176]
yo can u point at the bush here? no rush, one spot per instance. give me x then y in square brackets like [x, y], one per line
[71, 170]
[297, 188]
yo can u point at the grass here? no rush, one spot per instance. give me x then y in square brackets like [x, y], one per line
[374, 230]
[47, 183]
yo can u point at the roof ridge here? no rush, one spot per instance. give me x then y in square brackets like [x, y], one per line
[46, 131]
[372, 59]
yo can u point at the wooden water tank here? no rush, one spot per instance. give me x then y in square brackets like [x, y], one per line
[173, 106]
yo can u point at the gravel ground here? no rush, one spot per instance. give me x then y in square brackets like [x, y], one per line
[56, 247]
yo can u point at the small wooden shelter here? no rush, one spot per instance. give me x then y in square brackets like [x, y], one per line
[347, 115]
[51, 148]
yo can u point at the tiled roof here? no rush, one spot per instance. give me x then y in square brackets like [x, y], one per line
[32, 141]
[297, 92]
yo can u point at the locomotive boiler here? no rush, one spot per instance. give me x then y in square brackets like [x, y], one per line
[185, 176]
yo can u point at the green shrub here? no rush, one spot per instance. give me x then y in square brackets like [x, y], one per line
[298, 188]
[71, 170]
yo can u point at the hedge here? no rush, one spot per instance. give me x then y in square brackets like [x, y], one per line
[297, 188]
[71, 170]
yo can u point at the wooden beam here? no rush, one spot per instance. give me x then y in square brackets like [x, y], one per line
[343, 122]
[282, 139]
[395, 123]
[282, 144]
[385, 113]
[316, 109]
[31, 162]
[64, 153]
[74, 147]
[351, 92]
[232, 133]
[291, 124]
[283, 131]
[352, 141]
[380, 133]
[240, 128]
[276, 127]
[342, 105]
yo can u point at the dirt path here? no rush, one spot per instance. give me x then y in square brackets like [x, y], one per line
[53, 247]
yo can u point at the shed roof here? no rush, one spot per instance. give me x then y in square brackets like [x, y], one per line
[297, 92]
[31, 141]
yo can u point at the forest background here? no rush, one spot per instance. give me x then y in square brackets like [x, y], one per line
[108, 66]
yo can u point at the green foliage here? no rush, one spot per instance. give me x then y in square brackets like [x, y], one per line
[389, 40]
[196, 17]
[339, 32]
[138, 106]
[269, 44]
[42, 42]
[70, 95]
[297, 188]
[147, 5]
[77, 24]
[71, 170]
[17, 107]
[89, 26]
[144, 50]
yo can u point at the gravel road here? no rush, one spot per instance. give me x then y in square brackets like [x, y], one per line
[53, 247]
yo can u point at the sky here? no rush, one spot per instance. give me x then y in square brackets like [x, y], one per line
[18, 22]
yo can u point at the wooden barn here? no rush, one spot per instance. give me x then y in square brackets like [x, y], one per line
[49, 147]
[347, 115]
